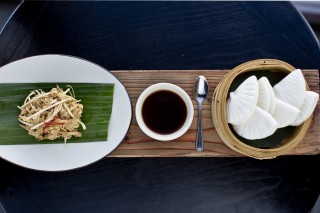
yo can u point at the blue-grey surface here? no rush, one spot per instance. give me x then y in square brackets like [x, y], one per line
[6, 9]
[162, 35]
[286, 184]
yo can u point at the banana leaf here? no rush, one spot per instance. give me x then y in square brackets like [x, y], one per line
[96, 98]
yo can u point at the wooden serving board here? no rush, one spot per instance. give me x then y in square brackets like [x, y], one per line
[137, 144]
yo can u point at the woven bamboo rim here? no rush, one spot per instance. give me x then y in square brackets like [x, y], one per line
[219, 112]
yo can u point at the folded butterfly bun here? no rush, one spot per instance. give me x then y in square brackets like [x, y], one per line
[285, 113]
[309, 104]
[260, 125]
[291, 89]
[266, 98]
[242, 102]
[252, 105]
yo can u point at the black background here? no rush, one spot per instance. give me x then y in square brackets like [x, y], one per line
[163, 35]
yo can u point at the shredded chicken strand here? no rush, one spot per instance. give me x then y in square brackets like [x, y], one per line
[51, 115]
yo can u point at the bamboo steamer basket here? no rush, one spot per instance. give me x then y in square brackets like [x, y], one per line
[219, 112]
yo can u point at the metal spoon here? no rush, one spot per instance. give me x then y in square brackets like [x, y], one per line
[200, 92]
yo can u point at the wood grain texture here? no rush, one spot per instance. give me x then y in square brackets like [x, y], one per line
[137, 144]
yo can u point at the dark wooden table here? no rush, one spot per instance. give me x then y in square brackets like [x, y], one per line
[163, 36]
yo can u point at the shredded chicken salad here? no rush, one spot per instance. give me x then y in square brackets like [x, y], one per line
[51, 115]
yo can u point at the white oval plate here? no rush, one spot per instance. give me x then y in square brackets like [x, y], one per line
[59, 68]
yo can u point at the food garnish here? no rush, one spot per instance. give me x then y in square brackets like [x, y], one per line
[51, 115]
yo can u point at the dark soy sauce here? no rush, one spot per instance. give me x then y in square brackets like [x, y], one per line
[164, 112]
